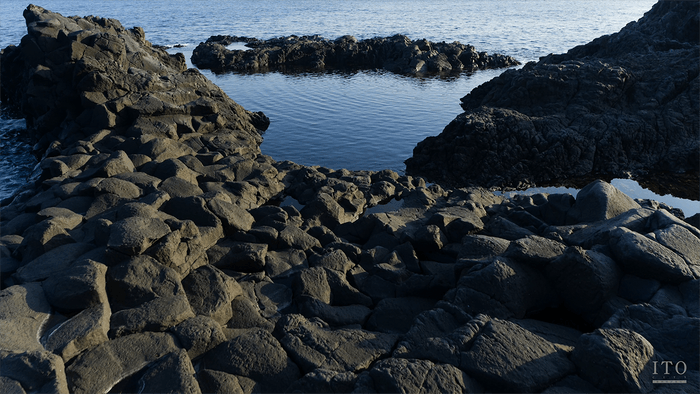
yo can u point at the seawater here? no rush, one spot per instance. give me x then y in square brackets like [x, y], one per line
[363, 120]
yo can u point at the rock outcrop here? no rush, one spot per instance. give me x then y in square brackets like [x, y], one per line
[167, 259]
[624, 104]
[397, 54]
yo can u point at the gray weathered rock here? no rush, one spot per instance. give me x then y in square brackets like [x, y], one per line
[139, 280]
[198, 335]
[79, 287]
[313, 346]
[399, 375]
[599, 200]
[257, 355]
[99, 369]
[210, 293]
[646, 258]
[23, 311]
[36, 371]
[172, 373]
[158, 314]
[615, 360]
[81, 332]
[506, 357]
[132, 236]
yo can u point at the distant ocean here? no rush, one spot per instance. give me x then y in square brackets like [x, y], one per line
[365, 120]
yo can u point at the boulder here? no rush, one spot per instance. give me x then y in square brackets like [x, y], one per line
[50, 263]
[158, 314]
[257, 355]
[210, 293]
[23, 312]
[172, 373]
[99, 369]
[395, 315]
[139, 280]
[505, 357]
[645, 258]
[79, 287]
[615, 360]
[81, 332]
[35, 371]
[599, 200]
[399, 375]
[198, 335]
[132, 236]
[312, 346]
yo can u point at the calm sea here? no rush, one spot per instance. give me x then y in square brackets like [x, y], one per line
[365, 120]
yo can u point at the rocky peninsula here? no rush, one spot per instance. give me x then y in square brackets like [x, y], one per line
[626, 104]
[397, 54]
[157, 250]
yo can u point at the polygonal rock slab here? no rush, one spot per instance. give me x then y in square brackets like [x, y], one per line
[83, 331]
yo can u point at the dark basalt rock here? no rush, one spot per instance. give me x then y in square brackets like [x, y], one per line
[150, 252]
[397, 54]
[624, 104]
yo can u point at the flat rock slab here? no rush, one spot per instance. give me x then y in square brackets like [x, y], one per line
[313, 345]
[81, 332]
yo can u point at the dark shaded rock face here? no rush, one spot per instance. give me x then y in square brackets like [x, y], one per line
[626, 103]
[148, 257]
[398, 54]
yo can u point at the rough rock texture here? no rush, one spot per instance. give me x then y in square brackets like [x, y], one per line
[150, 253]
[625, 103]
[397, 53]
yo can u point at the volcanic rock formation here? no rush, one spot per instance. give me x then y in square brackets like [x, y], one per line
[624, 104]
[156, 250]
[398, 54]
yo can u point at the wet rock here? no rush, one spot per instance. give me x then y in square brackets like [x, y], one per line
[23, 311]
[256, 355]
[615, 360]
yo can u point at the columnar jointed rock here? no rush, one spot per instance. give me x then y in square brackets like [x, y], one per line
[626, 103]
[165, 264]
[397, 53]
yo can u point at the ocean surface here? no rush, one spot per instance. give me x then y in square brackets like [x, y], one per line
[364, 120]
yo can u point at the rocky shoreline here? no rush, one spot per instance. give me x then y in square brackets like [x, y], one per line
[398, 54]
[622, 105]
[157, 250]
